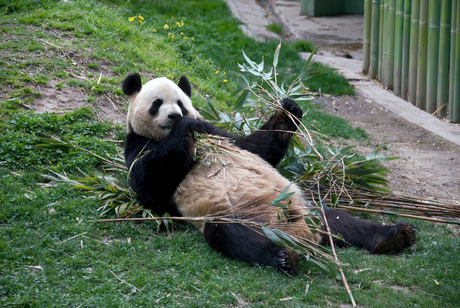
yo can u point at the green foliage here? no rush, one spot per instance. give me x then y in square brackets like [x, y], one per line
[275, 28]
[22, 131]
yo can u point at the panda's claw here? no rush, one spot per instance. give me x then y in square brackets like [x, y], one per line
[287, 261]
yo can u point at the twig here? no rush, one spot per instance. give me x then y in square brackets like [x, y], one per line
[344, 279]
[123, 280]
[70, 238]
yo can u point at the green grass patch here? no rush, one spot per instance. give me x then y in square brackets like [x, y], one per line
[51, 252]
[275, 28]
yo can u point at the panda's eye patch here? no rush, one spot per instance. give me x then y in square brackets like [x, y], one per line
[182, 108]
[155, 106]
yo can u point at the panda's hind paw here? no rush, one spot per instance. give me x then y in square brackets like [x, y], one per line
[287, 261]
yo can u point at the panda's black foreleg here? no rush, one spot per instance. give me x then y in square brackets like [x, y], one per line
[372, 236]
[156, 169]
[246, 244]
[271, 141]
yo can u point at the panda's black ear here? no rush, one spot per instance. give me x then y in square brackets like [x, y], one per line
[185, 86]
[132, 84]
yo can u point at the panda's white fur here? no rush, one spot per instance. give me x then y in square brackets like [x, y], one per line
[158, 126]
[237, 183]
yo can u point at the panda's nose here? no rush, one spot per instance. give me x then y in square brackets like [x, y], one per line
[174, 116]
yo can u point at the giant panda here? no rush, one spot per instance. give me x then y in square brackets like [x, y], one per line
[238, 182]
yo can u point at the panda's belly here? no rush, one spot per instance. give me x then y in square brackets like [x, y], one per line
[238, 184]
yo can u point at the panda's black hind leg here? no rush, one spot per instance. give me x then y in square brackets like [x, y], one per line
[374, 237]
[246, 244]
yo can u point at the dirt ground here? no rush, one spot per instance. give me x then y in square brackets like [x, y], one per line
[429, 166]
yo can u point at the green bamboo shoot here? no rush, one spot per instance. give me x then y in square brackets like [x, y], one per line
[367, 35]
[375, 39]
[420, 99]
[398, 46]
[453, 31]
[414, 34]
[391, 45]
[444, 50]
[456, 102]
[405, 49]
[432, 56]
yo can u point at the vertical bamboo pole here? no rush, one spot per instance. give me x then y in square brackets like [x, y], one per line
[444, 50]
[398, 46]
[367, 35]
[406, 49]
[381, 40]
[432, 56]
[453, 31]
[391, 45]
[420, 100]
[456, 102]
[385, 31]
[412, 88]
[375, 39]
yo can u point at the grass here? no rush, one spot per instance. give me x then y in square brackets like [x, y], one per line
[51, 252]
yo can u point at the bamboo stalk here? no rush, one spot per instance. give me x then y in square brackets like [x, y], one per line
[352, 208]
[391, 45]
[453, 31]
[386, 15]
[367, 35]
[444, 50]
[420, 99]
[381, 40]
[398, 46]
[456, 102]
[432, 55]
[406, 49]
[375, 39]
[414, 35]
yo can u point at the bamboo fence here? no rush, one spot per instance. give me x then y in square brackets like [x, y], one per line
[413, 48]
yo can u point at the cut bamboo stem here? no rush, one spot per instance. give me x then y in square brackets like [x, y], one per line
[367, 35]
[422, 55]
[399, 29]
[375, 39]
[391, 45]
[456, 99]
[406, 49]
[453, 31]
[432, 56]
[444, 55]
[414, 36]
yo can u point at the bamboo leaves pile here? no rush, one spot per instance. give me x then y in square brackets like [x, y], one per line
[415, 51]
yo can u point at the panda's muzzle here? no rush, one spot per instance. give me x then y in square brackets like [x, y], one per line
[174, 116]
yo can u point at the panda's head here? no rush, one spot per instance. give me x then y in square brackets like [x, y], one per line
[155, 106]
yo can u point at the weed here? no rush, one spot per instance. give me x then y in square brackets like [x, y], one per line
[275, 28]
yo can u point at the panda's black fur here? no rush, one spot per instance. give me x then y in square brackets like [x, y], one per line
[160, 154]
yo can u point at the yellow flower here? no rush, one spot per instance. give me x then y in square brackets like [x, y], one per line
[225, 73]
[193, 38]
[172, 36]
[181, 23]
[178, 24]
[217, 72]
[225, 80]
[132, 18]
[140, 17]
[182, 33]
[166, 27]
[185, 37]
[154, 30]
[140, 21]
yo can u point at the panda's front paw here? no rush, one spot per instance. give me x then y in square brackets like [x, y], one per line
[287, 261]
[188, 124]
[290, 106]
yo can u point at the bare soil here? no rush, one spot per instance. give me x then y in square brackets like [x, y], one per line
[428, 165]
